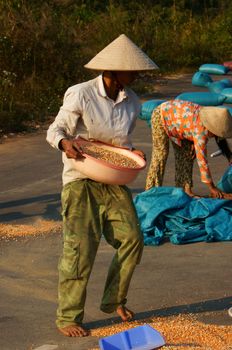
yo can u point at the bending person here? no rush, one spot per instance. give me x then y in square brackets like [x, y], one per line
[189, 127]
[103, 109]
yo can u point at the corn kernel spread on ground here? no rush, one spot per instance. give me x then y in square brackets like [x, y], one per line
[110, 157]
[10, 232]
[182, 332]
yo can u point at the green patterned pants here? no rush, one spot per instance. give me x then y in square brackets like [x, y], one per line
[160, 149]
[89, 210]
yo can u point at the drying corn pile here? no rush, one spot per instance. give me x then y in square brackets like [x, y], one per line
[182, 332]
[41, 227]
[110, 157]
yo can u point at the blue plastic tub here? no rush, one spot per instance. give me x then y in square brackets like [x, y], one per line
[138, 338]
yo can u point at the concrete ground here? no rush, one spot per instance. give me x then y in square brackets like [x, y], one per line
[193, 278]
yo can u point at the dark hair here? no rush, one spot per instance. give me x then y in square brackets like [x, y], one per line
[224, 147]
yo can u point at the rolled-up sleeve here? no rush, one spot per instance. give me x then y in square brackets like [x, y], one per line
[65, 123]
[200, 144]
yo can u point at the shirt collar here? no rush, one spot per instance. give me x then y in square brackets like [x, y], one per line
[122, 93]
[101, 87]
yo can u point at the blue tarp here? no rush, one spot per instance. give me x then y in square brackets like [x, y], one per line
[167, 212]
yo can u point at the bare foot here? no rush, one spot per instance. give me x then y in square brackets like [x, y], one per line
[189, 192]
[124, 313]
[74, 331]
[192, 195]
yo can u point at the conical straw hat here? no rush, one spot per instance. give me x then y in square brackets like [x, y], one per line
[217, 120]
[121, 55]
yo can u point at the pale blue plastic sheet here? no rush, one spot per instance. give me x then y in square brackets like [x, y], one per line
[213, 68]
[168, 213]
[227, 107]
[228, 94]
[201, 79]
[147, 110]
[202, 98]
[225, 183]
[226, 81]
[218, 86]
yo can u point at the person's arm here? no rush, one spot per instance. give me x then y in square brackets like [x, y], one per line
[132, 127]
[62, 131]
[200, 145]
[139, 152]
[214, 191]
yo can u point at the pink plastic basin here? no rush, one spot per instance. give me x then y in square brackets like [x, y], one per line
[102, 171]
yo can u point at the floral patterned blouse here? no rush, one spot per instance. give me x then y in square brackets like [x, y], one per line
[181, 121]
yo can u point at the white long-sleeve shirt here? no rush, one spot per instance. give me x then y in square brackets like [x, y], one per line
[88, 111]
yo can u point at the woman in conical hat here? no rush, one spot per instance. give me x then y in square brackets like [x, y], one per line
[104, 109]
[189, 127]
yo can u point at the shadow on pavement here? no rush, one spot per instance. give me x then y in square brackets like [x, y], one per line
[47, 197]
[136, 190]
[47, 206]
[50, 202]
[196, 308]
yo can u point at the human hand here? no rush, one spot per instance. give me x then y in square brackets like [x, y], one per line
[71, 149]
[140, 153]
[215, 192]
